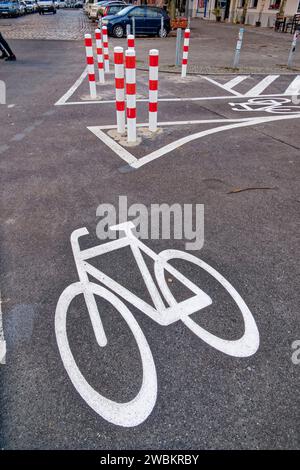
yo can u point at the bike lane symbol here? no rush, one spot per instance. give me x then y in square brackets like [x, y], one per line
[136, 411]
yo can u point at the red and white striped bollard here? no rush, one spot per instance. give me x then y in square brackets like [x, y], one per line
[130, 41]
[153, 88]
[186, 43]
[130, 94]
[120, 91]
[99, 51]
[90, 65]
[105, 49]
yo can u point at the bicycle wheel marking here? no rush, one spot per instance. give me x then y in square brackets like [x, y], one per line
[127, 414]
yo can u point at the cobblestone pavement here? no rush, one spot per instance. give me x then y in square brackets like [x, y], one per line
[66, 24]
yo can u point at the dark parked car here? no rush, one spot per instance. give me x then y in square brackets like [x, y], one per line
[111, 8]
[147, 21]
[11, 8]
[46, 6]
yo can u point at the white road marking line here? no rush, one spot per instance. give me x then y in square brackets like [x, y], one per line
[294, 87]
[228, 86]
[175, 123]
[137, 163]
[123, 153]
[201, 98]
[224, 86]
[72, 90]
[2, 340]
[262, 85]
[174, 145]
[235, 81]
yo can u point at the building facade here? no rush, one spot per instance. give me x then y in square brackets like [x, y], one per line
[264, 11]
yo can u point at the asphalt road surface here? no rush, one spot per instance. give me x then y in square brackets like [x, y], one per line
[55, 172]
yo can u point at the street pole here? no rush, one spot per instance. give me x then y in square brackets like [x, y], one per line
[293, 49]
[133, 26]
[178, 46]
[238, 48]
[161, 26]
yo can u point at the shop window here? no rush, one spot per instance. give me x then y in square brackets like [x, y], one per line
[274, 5]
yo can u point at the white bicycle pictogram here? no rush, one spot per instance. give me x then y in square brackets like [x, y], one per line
[269, 105]
[137, 410]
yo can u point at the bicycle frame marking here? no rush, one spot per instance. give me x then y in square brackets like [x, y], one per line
[159, 313]
[272, 105]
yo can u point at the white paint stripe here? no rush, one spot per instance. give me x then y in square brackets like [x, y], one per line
[89, 51]
[130, 76]
[120, 94]
[235, 81]
[153, 95]
[137, 163]
[153, 73]
[170, 100]
[119, 70]
[262, 85]
[179, 123]
[2, 340]
[72, 90]
[294, 87]
[130, 101]
[223, 86]
[178, 143]
[123, 153]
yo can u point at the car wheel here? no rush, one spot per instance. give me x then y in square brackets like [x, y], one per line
[162, 33]
[118, 31]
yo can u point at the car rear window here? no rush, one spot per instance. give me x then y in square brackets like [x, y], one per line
[153, 12]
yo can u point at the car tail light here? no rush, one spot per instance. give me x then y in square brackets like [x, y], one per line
[105, 13]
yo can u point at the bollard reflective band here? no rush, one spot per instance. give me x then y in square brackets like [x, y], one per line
[130, 94]
[99, 52]
[153, 88]
[119, 85]
[185, 53]
[90, 65]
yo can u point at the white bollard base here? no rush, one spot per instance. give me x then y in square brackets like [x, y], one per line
[183, 71]
[101, 76]
[131, 130]
[153, 122]
[93, 90]
[121, 122]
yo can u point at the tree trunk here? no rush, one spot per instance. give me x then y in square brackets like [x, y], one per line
[172, 9]
[245, 9]
[282, 7]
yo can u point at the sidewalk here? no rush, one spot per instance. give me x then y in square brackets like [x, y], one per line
[212, 47]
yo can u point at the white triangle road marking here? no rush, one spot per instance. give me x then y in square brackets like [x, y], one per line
[139, 162]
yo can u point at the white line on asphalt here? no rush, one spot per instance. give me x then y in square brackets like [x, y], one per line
[177, 123]
[72, 90]
[123, 153]
[294, 87]
[262, 85]
[201, 98]
[224, 86]
[2, 340]
[235, 81]
[137, 163]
